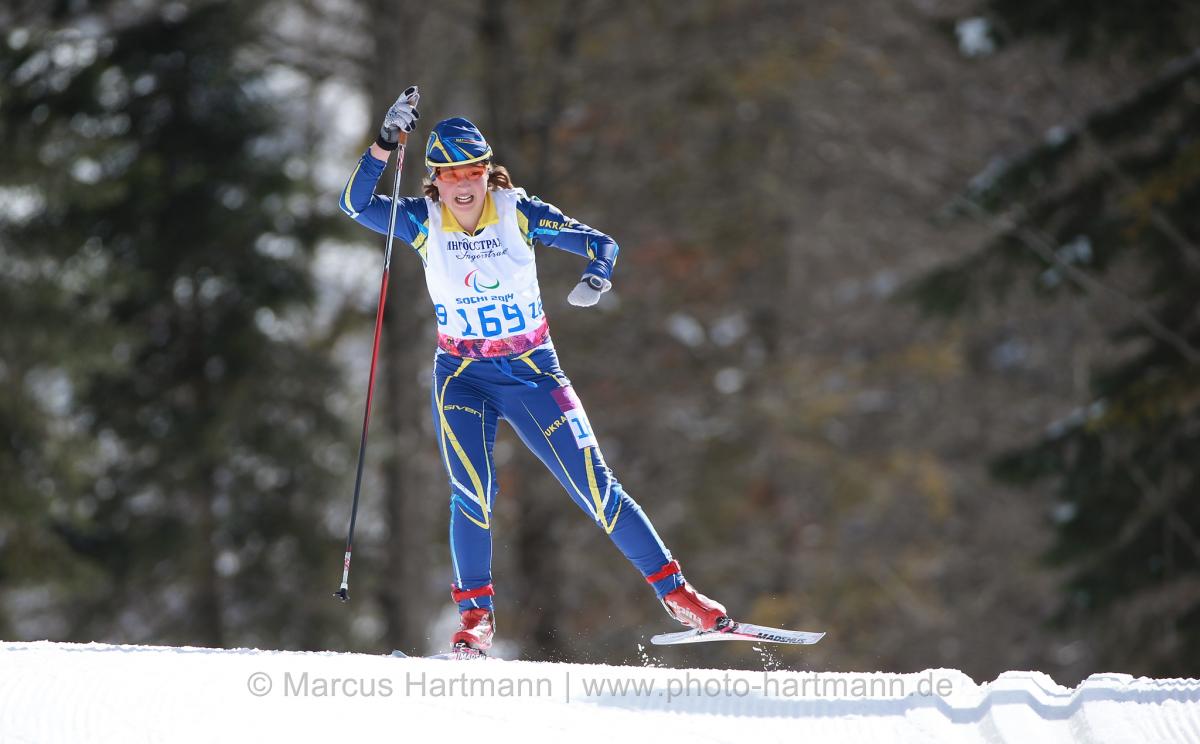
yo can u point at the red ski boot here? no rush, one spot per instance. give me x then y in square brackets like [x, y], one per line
[695, 610]
[475, 630]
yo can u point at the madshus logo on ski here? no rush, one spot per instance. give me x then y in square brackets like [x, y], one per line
[479, 282]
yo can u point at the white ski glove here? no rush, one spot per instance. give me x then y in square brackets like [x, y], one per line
[401, 117]
[588, 291]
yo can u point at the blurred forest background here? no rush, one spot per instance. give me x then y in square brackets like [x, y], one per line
[904, 342]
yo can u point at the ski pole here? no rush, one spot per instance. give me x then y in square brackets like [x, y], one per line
[343, 593]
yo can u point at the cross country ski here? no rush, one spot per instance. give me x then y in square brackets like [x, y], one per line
[732, 630]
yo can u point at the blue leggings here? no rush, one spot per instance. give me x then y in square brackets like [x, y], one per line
[532, 394]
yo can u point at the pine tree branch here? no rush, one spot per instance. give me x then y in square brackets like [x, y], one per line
[1155, 502]
[1161, 221]
[1185, 531]
[1044, 247]
[1175, 72]
[1103, 123]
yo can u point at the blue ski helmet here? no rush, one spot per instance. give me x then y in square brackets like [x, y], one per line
[455, 142]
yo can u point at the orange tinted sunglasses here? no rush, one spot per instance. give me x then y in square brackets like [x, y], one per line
[461, 173]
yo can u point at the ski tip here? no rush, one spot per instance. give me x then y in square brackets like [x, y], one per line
[398, 654]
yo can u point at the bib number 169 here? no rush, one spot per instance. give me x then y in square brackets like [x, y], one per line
[489, 321]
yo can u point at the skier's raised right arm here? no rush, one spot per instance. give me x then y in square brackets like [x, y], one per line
[359, 200]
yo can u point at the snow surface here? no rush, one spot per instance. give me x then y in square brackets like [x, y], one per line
[61, 692]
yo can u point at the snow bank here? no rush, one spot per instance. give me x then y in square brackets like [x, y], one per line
[60, 692]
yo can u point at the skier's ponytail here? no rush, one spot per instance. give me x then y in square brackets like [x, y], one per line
[499, 178]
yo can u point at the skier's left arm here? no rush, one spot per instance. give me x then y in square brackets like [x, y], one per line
[547, 224]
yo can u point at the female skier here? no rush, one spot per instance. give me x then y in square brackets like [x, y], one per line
[474, 233]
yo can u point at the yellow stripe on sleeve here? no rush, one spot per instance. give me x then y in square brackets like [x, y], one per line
[523, 225]
[346, 205]
[419, 246]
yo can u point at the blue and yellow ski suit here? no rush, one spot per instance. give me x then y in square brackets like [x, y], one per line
[495, 360]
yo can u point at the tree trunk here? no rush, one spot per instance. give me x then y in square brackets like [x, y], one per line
[520, 132]
[402, 404]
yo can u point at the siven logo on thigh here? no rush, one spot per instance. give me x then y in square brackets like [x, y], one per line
[573, 411]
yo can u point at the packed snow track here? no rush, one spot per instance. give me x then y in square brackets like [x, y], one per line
[71, 693]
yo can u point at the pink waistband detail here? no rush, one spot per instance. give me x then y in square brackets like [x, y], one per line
[485, 348]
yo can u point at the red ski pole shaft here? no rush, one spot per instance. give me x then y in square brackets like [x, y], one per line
[343, 592]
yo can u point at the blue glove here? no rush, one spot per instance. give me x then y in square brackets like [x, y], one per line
[588, 291]
[401, 117]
